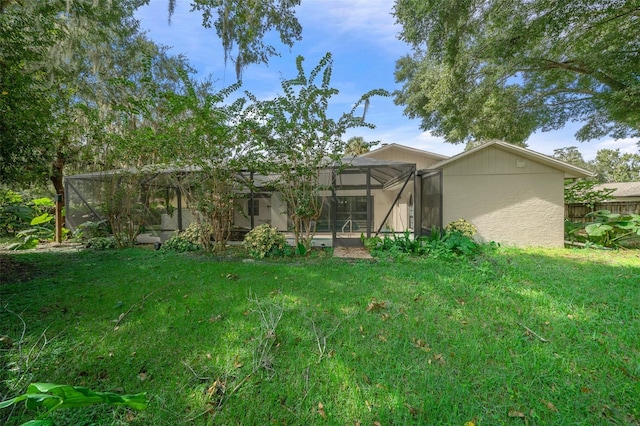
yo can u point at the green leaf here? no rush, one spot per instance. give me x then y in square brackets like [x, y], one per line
[43, 422]
[77, 396]
[598, 229]
[47, 202]
[9, 402]
[43, 218]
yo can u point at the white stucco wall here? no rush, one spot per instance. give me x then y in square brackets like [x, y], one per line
[510, 200]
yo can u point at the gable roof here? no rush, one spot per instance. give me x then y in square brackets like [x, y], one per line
[621, 189]
[392, 146]
[570, 171]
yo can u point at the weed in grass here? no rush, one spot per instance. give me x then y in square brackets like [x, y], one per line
[269, 313]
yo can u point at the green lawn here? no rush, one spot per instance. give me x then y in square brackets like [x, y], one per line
[515, 337]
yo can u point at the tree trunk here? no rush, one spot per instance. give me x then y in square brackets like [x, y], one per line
[57, 173]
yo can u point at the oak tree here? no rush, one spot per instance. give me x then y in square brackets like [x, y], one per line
[496, 69]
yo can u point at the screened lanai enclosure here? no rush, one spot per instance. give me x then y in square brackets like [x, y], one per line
[363, 196]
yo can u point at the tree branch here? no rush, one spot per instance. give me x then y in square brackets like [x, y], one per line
[577, 68]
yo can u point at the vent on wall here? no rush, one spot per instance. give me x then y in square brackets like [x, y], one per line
[521, 164]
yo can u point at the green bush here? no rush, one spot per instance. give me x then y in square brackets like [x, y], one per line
[180, 243]
[101, 243]
[612, 229]
[89, 230]
[461, 226]
[28, 222]
[455, 241]
[197, 232]
[15, 215]
[263, 241]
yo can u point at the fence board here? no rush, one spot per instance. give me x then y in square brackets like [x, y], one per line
[576, 212]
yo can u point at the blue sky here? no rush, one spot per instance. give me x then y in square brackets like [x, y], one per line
[361, 36]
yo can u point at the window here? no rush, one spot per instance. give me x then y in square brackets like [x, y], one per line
[253, 207]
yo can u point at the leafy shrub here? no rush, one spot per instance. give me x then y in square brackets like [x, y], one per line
[180, 244]
[450, 243]
[89, 230]
[583, 192]
[264, 241]
[15, 215]
[462, 226]
[26, 240]
[612, 229]
[29, 222]
[101, 243]
[41, 228]
[197, 232]
[459, 243]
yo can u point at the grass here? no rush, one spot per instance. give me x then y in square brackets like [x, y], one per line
[514, 337]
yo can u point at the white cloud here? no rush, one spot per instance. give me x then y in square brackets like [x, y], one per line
[626, 146]
[367, 21]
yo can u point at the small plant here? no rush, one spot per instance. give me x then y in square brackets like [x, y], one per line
[612, 229]
[29, 222]
[90, 229]
[263, 241]
[53, 397]
[41, 230]
[197, 233]
[17, 214]
[462, 226]
[13, 212]
[459, 243]
[101, 243]
[180, 244]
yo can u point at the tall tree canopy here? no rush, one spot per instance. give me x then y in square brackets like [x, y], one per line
[26, 34]
[243, 24]
[611, 165]
[572, 155]
[495, 69]
[72, 73]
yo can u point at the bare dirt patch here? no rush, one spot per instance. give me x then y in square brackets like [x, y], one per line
[351, 253]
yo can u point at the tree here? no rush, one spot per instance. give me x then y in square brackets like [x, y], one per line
[357, 146]
[245, 23]
[494, 69]
[299, 139]
[79, 68]
[26, 34]
[209, 137]
[613, 166]
[572, 156]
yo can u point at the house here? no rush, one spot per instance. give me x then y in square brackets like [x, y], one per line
[622, 191]
[513, 196]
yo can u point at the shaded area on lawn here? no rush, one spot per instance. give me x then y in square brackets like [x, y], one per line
[15, 271]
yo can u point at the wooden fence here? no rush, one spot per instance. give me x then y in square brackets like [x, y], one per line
[576, 212]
